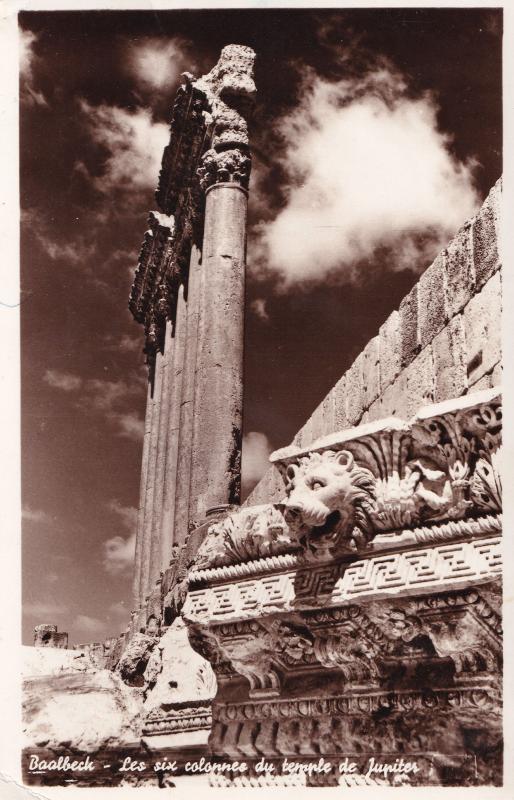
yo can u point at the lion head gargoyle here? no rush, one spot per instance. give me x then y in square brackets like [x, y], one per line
[328, 502]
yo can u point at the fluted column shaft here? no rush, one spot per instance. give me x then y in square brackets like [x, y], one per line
[136, 585]
[151, 478]
[160, 459]
[215, 478]
[167, 537]
[181, 522]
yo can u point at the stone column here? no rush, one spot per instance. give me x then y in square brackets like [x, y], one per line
[151, 476]
[215, 479]
[137, 585]
[170, 473]
[160, 459]
[183, 483]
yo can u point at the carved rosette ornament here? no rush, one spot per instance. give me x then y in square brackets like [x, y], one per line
[361, 614]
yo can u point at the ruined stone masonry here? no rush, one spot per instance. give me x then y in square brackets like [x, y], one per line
[48, 636]
[351, 607]
[188, 293]
[361, 616]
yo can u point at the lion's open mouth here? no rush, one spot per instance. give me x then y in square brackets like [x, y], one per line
[328, 527]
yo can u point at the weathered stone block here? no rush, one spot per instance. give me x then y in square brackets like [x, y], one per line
[497, 375]
[371, 371]
[74, 707]
[270, 489]
[48, 636]
[329, 413]
[339, 393]
[460, 273]
[390, 350]
[433, 305]
[420, 381]
[355, 391]
[485, 228]
[409, 342]
[482, 330]
[374, 412]
[392, 402]
[317, 423]
[413, 388]
[449, 352]
[306, 431]
[485, 382]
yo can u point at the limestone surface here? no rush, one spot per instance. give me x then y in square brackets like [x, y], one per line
[69, 705]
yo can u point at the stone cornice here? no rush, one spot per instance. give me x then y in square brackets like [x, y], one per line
[385, 485]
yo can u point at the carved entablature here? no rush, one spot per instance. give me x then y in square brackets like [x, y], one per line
[208, 144]
[363, 612]
[390, 476]
[375, 487]
[154, 290]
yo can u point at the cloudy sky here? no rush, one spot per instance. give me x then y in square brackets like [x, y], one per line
[377, 133]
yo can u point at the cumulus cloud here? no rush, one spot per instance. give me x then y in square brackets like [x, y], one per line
[35, 515]
[126, 343]
[133, 143]
[118, 610]
[130, 344]
[258, 306]
[366, 168]
[77, 252]
[127, 514]
[66, 381]
[26, 52]
[41, 609]
[27, 59]
[254, 461]
[129, 425]
[103, 395]
[105, 398]
[156, 64]
[86, 624]
[119, 554]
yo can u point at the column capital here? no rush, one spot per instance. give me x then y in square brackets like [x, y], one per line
[230, 167]
[231, 91]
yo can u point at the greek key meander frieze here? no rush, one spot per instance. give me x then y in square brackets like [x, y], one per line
[333, 584]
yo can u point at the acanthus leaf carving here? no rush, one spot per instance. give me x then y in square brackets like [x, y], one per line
[440, 467]
[249, 533]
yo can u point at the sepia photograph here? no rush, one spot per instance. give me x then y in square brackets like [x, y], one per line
[261, 396]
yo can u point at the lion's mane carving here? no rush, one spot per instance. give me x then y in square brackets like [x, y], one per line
[329, 502]
[253, 532]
